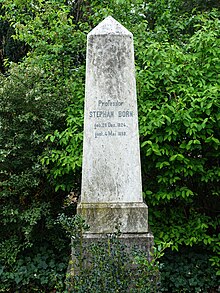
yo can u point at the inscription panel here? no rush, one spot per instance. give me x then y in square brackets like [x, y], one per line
[108, 119]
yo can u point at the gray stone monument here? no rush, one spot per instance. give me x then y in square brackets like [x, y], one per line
[111, 174]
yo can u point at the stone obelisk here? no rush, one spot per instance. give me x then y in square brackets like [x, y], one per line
[111, 174]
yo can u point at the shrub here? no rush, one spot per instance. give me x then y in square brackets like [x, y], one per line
[188, 270]
[38, 270]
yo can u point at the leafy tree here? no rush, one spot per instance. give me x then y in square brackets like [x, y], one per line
[179, 131]
[177, 66]
[28, 202]
[10, 49]
[179, 127]
[34, 97]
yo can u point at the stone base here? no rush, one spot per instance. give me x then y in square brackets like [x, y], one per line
[102, 218]
[132, 231]
[131, 235]
[142, 243]
[138, 241]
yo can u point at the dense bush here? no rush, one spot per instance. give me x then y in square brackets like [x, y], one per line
[29, 110]
[188, 270]
[179, 131]
[40, 269]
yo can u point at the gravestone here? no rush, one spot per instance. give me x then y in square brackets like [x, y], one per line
[111, 174]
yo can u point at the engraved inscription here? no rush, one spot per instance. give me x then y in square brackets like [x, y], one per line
[108, 125]
[110, 103]
[110, 114]
[125, 114]
[101, 114]
[113, 114]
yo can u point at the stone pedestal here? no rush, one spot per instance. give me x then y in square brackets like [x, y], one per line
[130, 219]
[104, 217]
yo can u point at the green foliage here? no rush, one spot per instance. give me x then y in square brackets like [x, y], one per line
[29, 109]
[111, 269]
[107, 264]
[179, 132]
[10, 49]
[40, 271]
[63, 156]
[188, 271]
[178, 91]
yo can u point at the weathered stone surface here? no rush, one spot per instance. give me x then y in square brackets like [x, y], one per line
[104, 217]
[132, 241]
[111, 175]
[111, 156]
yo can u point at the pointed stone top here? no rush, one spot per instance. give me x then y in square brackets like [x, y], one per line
[110, 26]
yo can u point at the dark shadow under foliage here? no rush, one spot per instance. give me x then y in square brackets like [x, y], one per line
[188, 270]
[40, 269]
